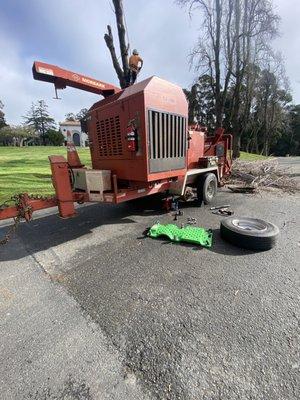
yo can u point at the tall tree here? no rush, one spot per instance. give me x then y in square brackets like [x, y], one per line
[255, 26]
[39, 119]
[294, 138]
[121, 71]
[201, 103]
[271, 109]
[2, 116]
[238, 80]
[213, 53]
[234, 35]
[289, 141]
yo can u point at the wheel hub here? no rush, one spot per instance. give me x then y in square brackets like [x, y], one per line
[249, 225]
[211, 189]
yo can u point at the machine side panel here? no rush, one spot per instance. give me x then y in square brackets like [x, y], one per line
[110, 145]
[195, 148]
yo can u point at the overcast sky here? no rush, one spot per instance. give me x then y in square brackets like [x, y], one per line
[69, 33]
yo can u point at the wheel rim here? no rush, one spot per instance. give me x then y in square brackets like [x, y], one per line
[249, 224]
[211, 189]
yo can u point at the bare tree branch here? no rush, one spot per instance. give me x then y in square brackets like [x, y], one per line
[108, 37]
[118, 4]
[122, 72]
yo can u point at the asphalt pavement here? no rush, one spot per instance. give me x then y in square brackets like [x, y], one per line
[91, 309]
[291, 165]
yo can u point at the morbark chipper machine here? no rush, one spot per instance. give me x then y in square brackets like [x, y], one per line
[140, 144]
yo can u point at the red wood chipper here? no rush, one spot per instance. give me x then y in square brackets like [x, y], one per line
[140, 144]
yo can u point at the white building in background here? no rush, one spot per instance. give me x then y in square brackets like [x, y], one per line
[79, 138]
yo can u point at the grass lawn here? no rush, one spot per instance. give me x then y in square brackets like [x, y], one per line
[27, 169]
[252, 157]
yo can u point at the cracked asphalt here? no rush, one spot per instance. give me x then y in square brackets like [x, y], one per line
[91, 309]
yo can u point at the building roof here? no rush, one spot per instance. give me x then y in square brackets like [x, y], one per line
[67, 122]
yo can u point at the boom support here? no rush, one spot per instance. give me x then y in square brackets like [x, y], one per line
[62, 78]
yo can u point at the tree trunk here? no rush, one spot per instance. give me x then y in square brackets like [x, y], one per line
[122, 72]
[229, 55]
[108, 37]
[118, 4]
[43, 131]
[219, 116]
[236, 145]
[248, 145]
[267, 148]
[236, 105]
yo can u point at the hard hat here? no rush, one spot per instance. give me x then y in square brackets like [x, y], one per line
[134, 51]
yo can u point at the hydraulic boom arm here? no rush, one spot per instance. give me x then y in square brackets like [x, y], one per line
[62, 78]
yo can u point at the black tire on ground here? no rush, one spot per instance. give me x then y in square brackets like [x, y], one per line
[206, 188]
[249, 233]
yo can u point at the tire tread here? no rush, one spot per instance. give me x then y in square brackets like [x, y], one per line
[248, 241]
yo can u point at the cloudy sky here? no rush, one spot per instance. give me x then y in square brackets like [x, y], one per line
[69, 33]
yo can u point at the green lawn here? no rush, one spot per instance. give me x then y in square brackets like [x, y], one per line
[27, 169]
[252, 157]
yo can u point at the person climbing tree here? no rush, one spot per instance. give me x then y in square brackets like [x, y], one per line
[135, 65]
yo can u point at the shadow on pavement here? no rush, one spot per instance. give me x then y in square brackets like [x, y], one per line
[48, 231]
[219, 246]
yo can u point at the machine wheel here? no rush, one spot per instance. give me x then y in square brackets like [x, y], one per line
[188, 194]
[249, 233]
[207, 188]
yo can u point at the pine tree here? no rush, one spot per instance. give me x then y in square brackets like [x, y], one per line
[39, 119]
[201, 103]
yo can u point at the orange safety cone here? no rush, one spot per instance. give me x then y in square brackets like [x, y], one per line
[72, 155]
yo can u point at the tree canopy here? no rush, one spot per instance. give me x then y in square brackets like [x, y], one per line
[39, 119]
[77, 116]
[242, 84]
[16, 135]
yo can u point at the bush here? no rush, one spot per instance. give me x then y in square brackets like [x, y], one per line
[56, 138]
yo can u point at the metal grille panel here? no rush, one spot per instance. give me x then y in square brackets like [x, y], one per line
[109, 137]
[167, 141]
